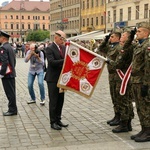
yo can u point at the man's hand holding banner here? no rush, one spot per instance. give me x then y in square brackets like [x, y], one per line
[81, 70]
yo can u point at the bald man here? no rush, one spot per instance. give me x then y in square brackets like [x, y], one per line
[55, 56]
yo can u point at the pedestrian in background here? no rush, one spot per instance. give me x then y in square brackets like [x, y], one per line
[7, 58]
[140, 79]
[36, 58]
[55, 57]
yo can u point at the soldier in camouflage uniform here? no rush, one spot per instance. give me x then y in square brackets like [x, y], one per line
[122, 62]
[140, 78]
[110, 47]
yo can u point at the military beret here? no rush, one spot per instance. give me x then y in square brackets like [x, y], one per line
[5, 34]
[145, 25]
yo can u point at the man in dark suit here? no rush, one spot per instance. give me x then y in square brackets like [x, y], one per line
[55, 56]
[8, 74]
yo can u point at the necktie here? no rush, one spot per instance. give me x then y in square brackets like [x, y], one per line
[61, 52]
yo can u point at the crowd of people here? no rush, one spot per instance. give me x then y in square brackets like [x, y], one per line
[128, 64]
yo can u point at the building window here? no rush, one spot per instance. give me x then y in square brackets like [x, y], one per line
[96, 21]
[83, 23]
[29, 27]
[102, 2]
[17, 17]
[129, 13]
[11, 17]
[96, 3]
[11, 26]
[114, 13]
[121, 14]
[43, 17]
[43, 26]
[92, 3]
[87, 21]
[108, 17]
[87, 3]
[22, 26]
[28, 17]
[137, 12]
[17, 26]
[91, 21]
[102, 20]
[83, 5]
[22, 17]
[146, 11]
[6, 26]
[38, 17]
[5, 17]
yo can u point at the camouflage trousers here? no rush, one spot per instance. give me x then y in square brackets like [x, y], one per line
[112, 85]
[125, 103]
[142, 105]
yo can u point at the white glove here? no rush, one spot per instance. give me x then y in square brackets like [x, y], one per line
[1, 76]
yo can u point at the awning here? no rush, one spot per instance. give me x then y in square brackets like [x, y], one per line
[87, 36]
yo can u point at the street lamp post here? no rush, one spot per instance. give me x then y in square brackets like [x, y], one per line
[61, 18]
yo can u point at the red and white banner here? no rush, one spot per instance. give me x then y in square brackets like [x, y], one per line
[125, 78]
[81, 70]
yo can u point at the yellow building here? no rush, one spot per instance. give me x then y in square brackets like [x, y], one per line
[93, 15]
[19, 17]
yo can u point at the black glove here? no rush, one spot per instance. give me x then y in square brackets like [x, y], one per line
[144, 90]
[133, 32]
[107, 61]
[107, 37]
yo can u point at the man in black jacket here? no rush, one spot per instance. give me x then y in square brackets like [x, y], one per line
[8, 73]
[55, 56]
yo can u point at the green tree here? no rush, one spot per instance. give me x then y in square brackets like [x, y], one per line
[38, 35]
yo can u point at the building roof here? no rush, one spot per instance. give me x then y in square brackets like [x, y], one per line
[27, 5]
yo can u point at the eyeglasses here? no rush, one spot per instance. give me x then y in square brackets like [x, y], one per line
[62, 38]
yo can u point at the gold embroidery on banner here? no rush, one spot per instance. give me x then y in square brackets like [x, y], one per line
[79, 70]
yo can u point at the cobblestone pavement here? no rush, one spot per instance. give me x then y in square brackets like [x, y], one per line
[87, 130]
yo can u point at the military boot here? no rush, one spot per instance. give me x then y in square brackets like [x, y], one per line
[123, 127]
[145, 136]
[129, 125]
[116, 121]
[115, 117]
[138, 134]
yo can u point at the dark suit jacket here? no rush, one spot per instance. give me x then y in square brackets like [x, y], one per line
[55, 62]
[7, 57]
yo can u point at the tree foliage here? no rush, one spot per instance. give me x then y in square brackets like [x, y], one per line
[38, 35]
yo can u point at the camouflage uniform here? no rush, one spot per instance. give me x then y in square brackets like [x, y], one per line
[141, 78]
[122, 62]
[111, 51]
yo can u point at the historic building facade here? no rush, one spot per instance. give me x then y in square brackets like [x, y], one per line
[20, 17]
[93, 15]
[65, 15]
[122, 13]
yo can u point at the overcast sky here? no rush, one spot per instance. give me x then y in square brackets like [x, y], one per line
[1, 1]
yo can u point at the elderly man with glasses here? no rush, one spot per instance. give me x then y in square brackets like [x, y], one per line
[55, 57]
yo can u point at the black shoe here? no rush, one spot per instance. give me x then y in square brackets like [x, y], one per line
[9, 113]
[116, 122]
[108, 122]
[55, 126]
[62, 125]
[120, 129]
